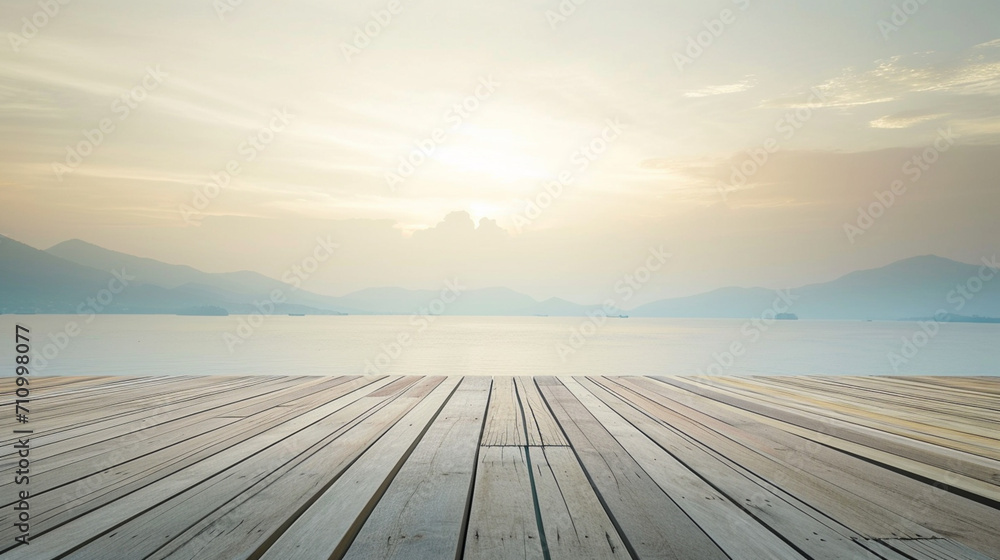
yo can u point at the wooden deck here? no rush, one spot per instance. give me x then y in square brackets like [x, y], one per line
[497, 468]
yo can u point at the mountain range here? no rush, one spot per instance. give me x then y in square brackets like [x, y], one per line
[79, 277]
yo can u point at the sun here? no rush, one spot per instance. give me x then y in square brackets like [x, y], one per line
[495, 153]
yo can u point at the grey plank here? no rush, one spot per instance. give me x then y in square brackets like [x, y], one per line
[328, 526]
[575, 523]
[732, 528]
[651, 524]
[502, 523]
[422, 514]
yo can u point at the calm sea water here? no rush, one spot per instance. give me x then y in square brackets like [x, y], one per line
[172, 345]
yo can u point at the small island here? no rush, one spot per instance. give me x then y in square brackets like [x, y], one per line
[787, 317]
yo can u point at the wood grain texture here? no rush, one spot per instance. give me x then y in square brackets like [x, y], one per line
[650, 521]
[502, 523]
[423, 513]
[327, 528]
[361, 467]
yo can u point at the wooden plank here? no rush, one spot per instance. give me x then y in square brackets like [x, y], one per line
[328, 526]
[216, 467]
[575, 523]
[959, 550]
[809, 530]
[932, 549]
[502, 523]
[875, 397]
[917, 395]
[650, 523]
[106, 399]
[141, 434]
[925, 408]
[884, 417]
[518, 415]
[844, 505]
[983, 386]
[541, 427]
[881, 551]
[908, 442]
[869, 447]
[117, 417]
[936, 509]
[730, 527]
[256, 515]
[504, 420]
[84, 528]
[422, 514]
[121, 460]
[280, 480]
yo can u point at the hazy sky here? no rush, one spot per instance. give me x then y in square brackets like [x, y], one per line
[642, 125]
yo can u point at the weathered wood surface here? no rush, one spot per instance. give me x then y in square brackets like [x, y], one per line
[507, 467]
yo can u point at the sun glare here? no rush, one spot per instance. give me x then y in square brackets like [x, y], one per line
[498, 154]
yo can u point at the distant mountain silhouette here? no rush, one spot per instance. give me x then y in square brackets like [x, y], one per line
[71, 275]
[724, 302]
[61, 279]
[229, 290]
[35, 281]
[914, 287]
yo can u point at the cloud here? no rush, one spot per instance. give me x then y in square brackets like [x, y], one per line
[976, 73]
[460, 227]
[905, 119]
[747, 83]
